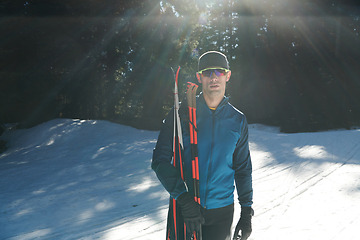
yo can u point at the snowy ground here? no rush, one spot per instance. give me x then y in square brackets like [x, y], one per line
[73, 179]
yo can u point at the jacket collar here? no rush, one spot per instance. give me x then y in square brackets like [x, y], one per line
[223, 102]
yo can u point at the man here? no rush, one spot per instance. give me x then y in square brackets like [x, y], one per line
[223, 153]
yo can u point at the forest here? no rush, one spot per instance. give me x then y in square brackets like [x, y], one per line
[295, 64]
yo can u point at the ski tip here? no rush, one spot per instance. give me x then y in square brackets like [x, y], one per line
[177, 72]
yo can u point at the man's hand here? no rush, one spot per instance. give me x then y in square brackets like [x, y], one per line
[244, 224]
[191, 212]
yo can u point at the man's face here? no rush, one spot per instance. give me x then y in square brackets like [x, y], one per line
[214, 85]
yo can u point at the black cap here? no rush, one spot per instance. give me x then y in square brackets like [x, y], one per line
[213, 59]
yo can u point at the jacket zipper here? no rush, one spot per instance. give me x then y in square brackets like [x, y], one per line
[211, 155]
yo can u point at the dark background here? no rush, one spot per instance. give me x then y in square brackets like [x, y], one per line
[295, 64]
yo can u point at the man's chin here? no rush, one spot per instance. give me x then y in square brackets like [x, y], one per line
[214, 92]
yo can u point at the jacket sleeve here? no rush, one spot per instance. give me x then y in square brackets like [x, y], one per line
[243, 167]
[168, 175]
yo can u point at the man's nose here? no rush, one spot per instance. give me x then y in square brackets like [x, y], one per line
[213, 75]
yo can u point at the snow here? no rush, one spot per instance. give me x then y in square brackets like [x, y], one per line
[77, 179]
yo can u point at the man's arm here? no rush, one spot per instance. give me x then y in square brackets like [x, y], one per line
[168, 175]
[243, 167]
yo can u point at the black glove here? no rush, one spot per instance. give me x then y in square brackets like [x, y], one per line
[191, 212]
[244, 224]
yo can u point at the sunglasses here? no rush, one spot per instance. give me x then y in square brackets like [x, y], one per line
[209, 71]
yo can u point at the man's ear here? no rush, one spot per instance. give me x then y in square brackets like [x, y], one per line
[198, 77]
[228, 75]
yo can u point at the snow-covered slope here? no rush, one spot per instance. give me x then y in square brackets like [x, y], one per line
[76, 179]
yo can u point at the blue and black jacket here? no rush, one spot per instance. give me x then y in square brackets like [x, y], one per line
[223, 151]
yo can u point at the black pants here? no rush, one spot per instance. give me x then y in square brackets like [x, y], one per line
[218, 223]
